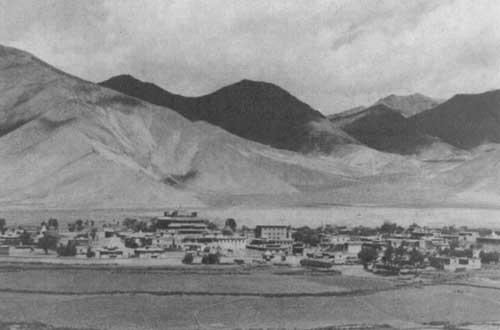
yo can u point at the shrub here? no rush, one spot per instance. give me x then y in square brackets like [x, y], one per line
[90, 253]
[307, 236]
[210, 259]
[188, 259]
[489, 257]
[315, 263]
[67, 251]
[48, 242]
[367, 254]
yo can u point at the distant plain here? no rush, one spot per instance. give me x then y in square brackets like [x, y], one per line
[294, 216]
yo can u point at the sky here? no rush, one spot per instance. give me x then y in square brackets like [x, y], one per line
[333, 55]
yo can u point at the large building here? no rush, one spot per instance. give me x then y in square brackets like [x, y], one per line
[273, 232]
[489, 243]
[181, 223]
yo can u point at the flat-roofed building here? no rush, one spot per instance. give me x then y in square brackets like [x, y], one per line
[489, 243]
[457, 264]
[273, 232]
[181, 223]
[233, 243]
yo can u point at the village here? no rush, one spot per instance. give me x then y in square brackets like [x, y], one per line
[186, 238]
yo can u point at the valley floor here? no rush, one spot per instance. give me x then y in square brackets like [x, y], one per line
[295, 216]
[244, 298]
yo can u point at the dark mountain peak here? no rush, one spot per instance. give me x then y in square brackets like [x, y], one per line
[386, 129]
[255, 110]
[255, 84]
[9, 52]
[127, 81]
[122, 78]
[129, 85]
[464, 121]
[489, 94]
[251, 82]
[259, 91]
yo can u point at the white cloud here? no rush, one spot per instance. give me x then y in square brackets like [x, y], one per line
[331, 54]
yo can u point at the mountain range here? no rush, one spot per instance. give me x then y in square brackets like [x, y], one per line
[69, 143]
[257, 111]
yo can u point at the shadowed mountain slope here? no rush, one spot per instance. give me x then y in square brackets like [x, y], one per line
[68, 143]
[385, 129]
[465, 121]
[256, 111]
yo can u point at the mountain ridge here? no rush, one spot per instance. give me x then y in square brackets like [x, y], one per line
[74, 144]
[255, 110]
[409, 105]
[465, 121]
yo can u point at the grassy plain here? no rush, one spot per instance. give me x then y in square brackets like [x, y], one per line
[191, 299]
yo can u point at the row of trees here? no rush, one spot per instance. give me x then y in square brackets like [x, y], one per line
[207, 259]
[139, 225]
[392, 256]
[489, 257]
[80, 225]
[312, 237]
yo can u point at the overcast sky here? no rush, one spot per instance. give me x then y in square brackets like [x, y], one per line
[331, 54]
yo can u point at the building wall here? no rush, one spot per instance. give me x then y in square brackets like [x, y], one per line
[463, 263]
[229, 244]
[273, 232]
[354, 248]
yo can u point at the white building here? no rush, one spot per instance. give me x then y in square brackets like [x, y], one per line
[456, 264]
[273, 232]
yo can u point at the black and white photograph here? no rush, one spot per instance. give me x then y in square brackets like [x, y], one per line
[249, 164]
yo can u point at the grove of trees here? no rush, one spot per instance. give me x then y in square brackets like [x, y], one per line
[307, 235]
[367, 255]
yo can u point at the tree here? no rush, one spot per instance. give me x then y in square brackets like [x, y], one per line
[3, 223]
[416, 257]
[390, 228]
[448, 230]
[188, 259]
[367, 255]
[453, 244]
[489, 257]
[363, 231]
[25, 238]
[231, 223]
[93, 233]
[79, 225]
[90, 253]
[53, 223]
[389, 254]
[400, 250]
[67, 251]
[485, 232]
[129, 223]
[48, 242]
[210, 259]
[131, 243]
[212, 226]
[307, 235]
